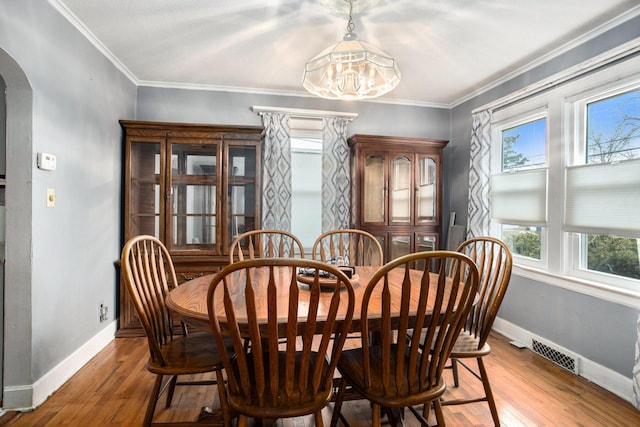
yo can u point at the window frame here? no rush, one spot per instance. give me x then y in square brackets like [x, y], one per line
[565, 105]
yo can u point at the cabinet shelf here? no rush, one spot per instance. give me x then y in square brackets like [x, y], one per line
[193, 179]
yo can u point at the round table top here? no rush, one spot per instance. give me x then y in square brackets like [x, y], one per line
[189, 300]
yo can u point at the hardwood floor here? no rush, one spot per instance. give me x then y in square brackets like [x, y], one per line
[113, 388]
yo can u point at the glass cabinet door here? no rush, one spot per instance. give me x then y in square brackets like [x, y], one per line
[400, 194]
[374, 190]
[193, 215]
[401, 244]
[426, 242]
[241, 190]
[145, 188]
[426, 190]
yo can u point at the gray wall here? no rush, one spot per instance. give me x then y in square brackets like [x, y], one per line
[192, 106]
[601, 331]
[64, 98]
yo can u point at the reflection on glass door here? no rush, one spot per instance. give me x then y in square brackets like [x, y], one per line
[426, 191]
[241, 197]
[400, 190]
[374, 189]
[401, 244]
[145, 189]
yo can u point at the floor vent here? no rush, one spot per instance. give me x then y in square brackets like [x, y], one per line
[561, 359]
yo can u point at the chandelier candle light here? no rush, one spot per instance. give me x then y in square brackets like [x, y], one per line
[351, 69]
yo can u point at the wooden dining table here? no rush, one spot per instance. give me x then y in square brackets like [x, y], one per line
[189, 300]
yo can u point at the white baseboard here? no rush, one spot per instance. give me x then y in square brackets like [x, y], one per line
[28, 397]
[602, 376]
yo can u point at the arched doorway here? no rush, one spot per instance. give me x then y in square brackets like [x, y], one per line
[3, 184]
[17, 357]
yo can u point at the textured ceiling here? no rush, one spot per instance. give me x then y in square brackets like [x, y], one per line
[445, 49]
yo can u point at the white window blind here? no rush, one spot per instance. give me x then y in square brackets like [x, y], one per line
[603, 198]
[519, 197]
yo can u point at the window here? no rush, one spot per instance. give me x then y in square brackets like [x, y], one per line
[565, 183]
[613, 128]
[306, 180]
[519, 184]
[523, 146]
[611, 136]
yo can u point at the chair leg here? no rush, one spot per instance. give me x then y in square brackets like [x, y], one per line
[454, 371]
[222, 395]
[153, 399]
[172, 388]
[422, 418]
[183, 326]
[243, 421]
[375, 409]
[319, 420]
[488, 393]
[337, 406]
[437, 407]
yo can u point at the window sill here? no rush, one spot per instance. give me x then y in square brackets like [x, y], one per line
[602, 291]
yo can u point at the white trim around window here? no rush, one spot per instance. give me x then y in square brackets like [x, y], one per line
[564, 107]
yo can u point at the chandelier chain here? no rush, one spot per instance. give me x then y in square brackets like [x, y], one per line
[350, 24]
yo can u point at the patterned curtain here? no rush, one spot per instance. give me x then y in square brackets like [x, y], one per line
[336, 177]
[276, 172]
[478, 222]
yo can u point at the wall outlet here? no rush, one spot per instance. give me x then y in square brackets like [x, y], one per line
[104, 312]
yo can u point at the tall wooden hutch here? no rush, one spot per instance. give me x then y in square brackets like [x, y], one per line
[195, 187]
[397, 191]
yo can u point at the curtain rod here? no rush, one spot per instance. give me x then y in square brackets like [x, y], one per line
[299, 112]
[621, 52]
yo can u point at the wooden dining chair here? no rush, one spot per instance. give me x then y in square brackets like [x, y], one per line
[149, 275]
[494, 261]
[288, 369]
[265, 244]
[390, 370]
[356, 247]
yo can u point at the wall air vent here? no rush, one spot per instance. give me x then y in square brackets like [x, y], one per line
[560, 358]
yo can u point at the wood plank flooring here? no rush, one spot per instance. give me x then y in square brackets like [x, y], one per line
[113, 388]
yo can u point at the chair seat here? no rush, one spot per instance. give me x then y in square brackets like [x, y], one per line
[279, 405]
[350, 367]
[467, 346]
[194, 354]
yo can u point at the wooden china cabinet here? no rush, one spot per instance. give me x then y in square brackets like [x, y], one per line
[397, 191]
[195, 187]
